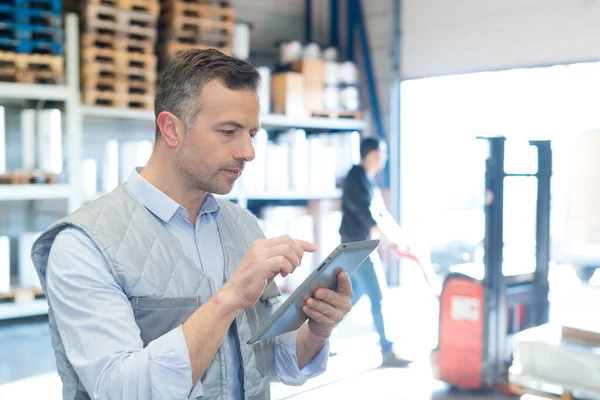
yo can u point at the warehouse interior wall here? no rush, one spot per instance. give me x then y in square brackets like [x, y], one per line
[443, 38]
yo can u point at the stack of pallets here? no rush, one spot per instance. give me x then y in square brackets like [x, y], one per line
[118, 60]
[31, 41]
[195, 24]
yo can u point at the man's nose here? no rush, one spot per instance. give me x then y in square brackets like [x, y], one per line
[246, 149]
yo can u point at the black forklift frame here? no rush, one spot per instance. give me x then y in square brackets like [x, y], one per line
[506, 297]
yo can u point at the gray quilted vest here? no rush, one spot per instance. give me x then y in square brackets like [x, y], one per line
[162, 284]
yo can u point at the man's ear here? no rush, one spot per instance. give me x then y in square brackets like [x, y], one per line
[171, 129]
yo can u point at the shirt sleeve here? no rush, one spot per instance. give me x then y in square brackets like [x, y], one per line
[99, 333]
[357, 199]
[284, 367]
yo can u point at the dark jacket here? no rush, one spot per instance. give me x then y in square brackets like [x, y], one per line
[357, 220]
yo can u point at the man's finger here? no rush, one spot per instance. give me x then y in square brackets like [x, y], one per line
[335, 299]
[324, 308]
[344, 285]
[307, 246]
[286, 251]
[317, 316]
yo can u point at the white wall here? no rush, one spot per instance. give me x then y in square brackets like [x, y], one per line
[447, 37]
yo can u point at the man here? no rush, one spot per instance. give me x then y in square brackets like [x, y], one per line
[364, 216]
[155, 288]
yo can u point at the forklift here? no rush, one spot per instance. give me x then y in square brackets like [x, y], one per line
[479, 315]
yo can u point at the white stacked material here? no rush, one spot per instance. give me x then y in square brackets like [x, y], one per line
[542, 356]
[255, 171]
[133, 154]
[298, 158]
[322, 166]
[2, 141]
[277, 167]
[49, 128]
[28, 139]
[28, 277]
[295, 222]
[241, 40]
[4, 264]
[90, 176]
[264, 90]
[110, 171]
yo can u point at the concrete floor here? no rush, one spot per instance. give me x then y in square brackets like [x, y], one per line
[27, 368]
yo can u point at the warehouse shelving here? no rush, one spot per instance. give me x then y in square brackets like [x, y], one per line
[268, 121]
[117, 113]
[21, 310]
[34, 192]
[74, 115]
[29, 91]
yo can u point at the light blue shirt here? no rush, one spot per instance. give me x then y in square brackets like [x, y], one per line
[97, 327]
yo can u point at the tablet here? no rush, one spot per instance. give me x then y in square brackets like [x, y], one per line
[289, 316]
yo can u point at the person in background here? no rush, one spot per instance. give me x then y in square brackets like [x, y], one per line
[365, 216]
[156, 288]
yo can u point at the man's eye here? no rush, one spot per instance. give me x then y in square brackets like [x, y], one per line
[228, 132]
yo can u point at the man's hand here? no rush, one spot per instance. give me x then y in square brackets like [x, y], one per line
[265, 259]
[327, 308]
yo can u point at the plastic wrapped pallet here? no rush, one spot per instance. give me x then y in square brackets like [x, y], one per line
[255, 171]
[293, 221]
[49, 129]
[2, 141]
[90, 177]
[28, 139]
[133, 154]
[264, 90]
[542, 356]
[277, 166]
[298, 158]
[28, 277]
[110, 172]
[4, 264]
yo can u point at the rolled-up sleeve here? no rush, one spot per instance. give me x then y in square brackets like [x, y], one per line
[284, 367]
[101, 338]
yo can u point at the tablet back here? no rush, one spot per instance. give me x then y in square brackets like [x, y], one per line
[289, 316]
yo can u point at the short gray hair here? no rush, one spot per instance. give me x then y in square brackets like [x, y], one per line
[188, 72]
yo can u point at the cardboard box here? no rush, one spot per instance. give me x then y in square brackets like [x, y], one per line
[583, 336]
[288, 94]
[313, 73]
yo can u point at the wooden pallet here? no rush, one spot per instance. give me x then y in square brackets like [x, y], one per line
[98, 12]
[39, 77]
[150, 7]
[119, 86]
[197, 31]
[94, 70]
[93, 40]
[26, 177]
[109, 99]
[21, 295]
[31, 68]
[104, 20]
[32, 62]
[170, 49]
[522, 390]
[213, 3]
[338, 114]
[174, 9]
[121, 59]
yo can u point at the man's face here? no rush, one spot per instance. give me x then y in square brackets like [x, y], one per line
[218, 144]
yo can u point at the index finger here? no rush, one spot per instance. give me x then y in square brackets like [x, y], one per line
[307, 246]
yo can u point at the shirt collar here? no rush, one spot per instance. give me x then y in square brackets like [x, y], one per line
[161, 205]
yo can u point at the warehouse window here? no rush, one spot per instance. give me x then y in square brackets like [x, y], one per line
[443, 164]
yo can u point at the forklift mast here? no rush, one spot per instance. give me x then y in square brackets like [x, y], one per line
[514, 303]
